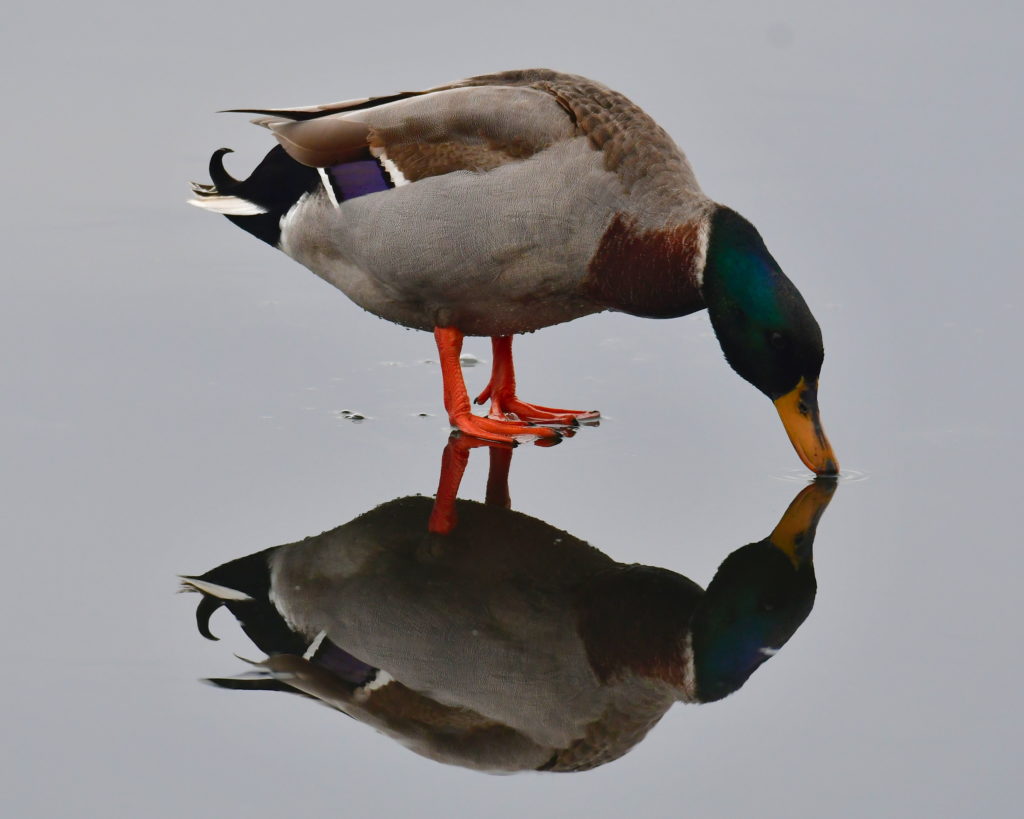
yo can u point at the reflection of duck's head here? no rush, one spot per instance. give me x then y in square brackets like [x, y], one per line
[759, 596]
[508, 644]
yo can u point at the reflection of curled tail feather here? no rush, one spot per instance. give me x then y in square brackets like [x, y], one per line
[508, 644]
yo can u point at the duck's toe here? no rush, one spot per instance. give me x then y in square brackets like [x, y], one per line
[500, 430]
[511, 407]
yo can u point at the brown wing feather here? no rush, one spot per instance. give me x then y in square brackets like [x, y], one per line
[635, 147]
[484, 122]
[456, 127]
[320, 142]
[418, 160]
[301, 113]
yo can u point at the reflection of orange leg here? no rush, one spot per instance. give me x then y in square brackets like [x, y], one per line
[497, 478]
[453, 466]
[443, 516]
[501, 389]
[456, 399]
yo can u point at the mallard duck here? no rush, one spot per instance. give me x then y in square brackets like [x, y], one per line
[509, 202]
[508, 644]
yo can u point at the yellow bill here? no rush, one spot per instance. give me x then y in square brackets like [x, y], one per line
[798, 410]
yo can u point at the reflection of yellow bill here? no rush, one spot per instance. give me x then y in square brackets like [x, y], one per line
[798, 410]
[797, 526]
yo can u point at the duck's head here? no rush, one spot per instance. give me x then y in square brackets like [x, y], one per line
[767, 332]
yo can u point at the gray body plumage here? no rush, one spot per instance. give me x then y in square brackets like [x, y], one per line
[515, 179]
[481, 621]
[507, 644]
[489, 263]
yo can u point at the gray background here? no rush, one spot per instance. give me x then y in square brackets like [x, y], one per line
[171, 390]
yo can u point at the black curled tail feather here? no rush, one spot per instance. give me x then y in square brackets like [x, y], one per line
[258, 203]
[223, 182]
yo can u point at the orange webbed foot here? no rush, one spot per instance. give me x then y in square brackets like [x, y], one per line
[500, 430]
[456, 400]
[501, 390]
[511, 407]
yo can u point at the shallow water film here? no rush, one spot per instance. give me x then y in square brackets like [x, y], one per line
[663, 613]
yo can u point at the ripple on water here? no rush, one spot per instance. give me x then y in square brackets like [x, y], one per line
[805, 476]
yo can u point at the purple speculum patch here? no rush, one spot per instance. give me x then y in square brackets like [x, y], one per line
[358, 178]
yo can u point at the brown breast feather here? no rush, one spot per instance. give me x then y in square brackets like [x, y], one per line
[649, 273]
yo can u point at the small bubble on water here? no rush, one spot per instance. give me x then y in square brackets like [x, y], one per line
[468, 360]
[353, 416]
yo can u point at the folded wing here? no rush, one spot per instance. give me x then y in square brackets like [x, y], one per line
[426, 133]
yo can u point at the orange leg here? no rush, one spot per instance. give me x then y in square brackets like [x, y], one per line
[501, 389]
[456, 399]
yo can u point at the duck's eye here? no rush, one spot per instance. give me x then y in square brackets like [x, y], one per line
[777, 340]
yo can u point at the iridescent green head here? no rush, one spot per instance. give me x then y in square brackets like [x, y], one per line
[767, 332]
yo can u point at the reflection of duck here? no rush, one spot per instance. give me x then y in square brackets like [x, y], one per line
[510, 202]
[508, 644]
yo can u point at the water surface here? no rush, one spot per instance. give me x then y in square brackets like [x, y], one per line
[175, 397]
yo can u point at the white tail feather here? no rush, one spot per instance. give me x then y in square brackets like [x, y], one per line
[214, 589]
[228, 205]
